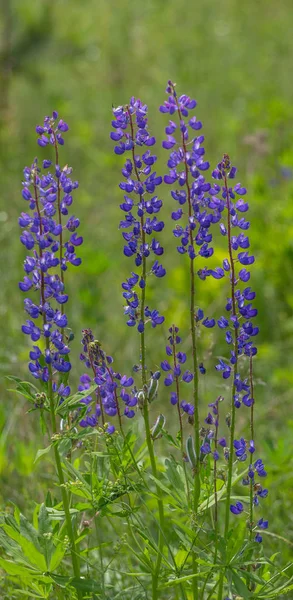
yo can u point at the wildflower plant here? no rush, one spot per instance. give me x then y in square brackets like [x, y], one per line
[159, 493]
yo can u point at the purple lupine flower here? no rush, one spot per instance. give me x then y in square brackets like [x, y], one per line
[237, 508]
[255, 470]
[48, 194]
[140, 224]
[186, 164]
[50, 133]
[175, 376]
[112, 387]
[239, 308]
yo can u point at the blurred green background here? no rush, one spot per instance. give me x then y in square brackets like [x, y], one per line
[80, 58]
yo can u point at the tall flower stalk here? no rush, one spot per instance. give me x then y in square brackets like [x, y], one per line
[42, 235]
[186, 164]
[240, 335]
[140, 207]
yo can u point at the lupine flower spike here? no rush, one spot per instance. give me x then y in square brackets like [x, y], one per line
[48, 193]
[113, 391]
[140, 225]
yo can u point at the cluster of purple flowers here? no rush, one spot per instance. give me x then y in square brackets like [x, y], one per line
[48, 194]
[111, 386]
[50, 236]
[174, 373]
[140, 206]
[211, 433]
[238, 325]
[186, 164]
[243, 449]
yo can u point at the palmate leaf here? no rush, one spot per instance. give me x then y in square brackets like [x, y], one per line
[34, 556]
[13, 568]
[32, 547]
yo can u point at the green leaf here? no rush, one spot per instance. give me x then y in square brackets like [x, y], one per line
[170, 439]
[85, 585]
[28, 532]
[177, 502]
[175, 474]
[24, 388]
[240, 586]
[57, 557]
[44, 520]
[180, 558]
[75, 400]
[209, 502]
[42, 452]
[13, 568]
[80, 584]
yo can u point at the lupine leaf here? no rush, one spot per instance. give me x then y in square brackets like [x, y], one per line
[41, 453]
[76, 398]
[57, 556]
[240, 586]
[13, 568]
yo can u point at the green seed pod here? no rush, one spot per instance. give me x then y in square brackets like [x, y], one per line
[156, 431]
[190, 451]
[140, 398]
[153, 389]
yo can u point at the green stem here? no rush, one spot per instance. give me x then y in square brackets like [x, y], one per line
[216, 523]
[232, 409]
[74, 556]
[70, 532]
[196, 493]
[251, 511]
[179, 414]
[160, 503]
[155, 576]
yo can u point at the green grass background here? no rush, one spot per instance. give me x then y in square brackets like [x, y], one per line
[80, 57]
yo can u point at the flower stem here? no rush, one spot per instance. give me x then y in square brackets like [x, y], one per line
[70, 531]
[232, 409]
[216, 523]
[179, 413]
[149, 441]
[252, 438]
[196, 494]
[74, 555]
[156, 573]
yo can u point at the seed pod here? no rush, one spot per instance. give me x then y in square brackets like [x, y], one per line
[156, 431]
[190, 451]
[153, 389]
[140, 398]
